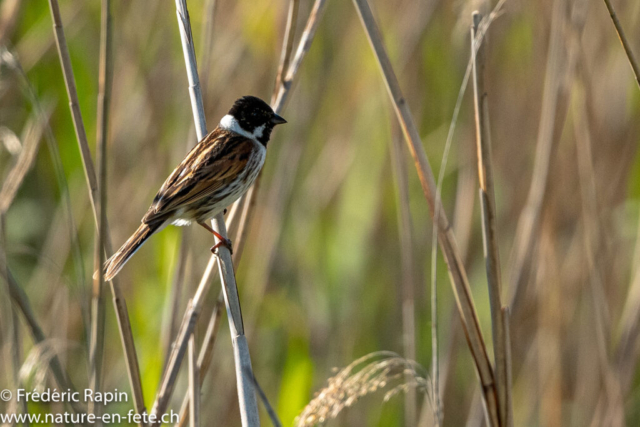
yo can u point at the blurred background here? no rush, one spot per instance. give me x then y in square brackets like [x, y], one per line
[324, 277]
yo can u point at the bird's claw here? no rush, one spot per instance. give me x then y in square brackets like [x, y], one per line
[223, 242]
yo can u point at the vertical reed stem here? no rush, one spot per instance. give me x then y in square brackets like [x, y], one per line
[457, 272]
[246, 395]
[119, 302]
[487, 203]
[194, 384]
[96, 350]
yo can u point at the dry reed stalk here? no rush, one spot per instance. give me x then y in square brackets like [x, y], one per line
[405, 231]
[204, 357]
[623, 40]
[437, 392]
[206, 350]
[244, 374]
[194, 384]
[457, 272]
[76, 115]
[248, 200]
[170, 317]
[285, 79]
[179, 346]
[272, 413]
[529, 221]
[96, 349]
[488, 209]
[287, 46]
[304, 45]
[124, 325]
[438, 386]
[508, 380]
[435, 357]
[281, 88]
[171, 324]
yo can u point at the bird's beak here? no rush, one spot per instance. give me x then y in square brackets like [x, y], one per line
[277, 120]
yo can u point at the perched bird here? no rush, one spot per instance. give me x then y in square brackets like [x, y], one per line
[215, 173]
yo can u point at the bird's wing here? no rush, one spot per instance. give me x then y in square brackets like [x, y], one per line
[211, 165]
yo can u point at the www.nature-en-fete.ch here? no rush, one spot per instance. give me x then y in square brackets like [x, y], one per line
[81, 418]
[56, 396]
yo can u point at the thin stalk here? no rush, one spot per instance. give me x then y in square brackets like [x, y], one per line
[625, 43]
[249, 199]
[204, 358]
[74, 105]
[272, 413]
[173, 300]
[194, 384]
[407, 259]
[464, 223]
[303, 47]
[509, 381]
[282, 90]
[244, 373]
[287, 46]
[435, 357]
[457, 272]
[124, 325]
[206, 350]
[487, 203]
[179, 347]
[96, 350]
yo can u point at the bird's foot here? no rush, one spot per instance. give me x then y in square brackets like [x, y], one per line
[223, 242]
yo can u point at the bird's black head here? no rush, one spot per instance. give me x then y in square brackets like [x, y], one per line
[253, 118]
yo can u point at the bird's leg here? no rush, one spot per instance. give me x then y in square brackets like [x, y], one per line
[223, 240]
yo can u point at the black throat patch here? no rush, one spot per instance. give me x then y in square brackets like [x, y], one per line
[251, 113]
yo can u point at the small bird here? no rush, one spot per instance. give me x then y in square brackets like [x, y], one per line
[215, 173]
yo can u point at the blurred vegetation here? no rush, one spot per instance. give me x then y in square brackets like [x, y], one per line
[320, 280]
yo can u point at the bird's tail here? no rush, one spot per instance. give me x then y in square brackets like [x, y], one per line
[120, 258]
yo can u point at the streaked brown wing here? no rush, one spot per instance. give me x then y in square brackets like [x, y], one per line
[211, 165]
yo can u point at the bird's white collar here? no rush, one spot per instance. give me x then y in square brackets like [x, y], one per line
[230, 123]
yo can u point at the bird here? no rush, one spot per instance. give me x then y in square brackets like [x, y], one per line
[213, 175]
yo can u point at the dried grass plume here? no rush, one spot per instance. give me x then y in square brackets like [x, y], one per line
[365, 375]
